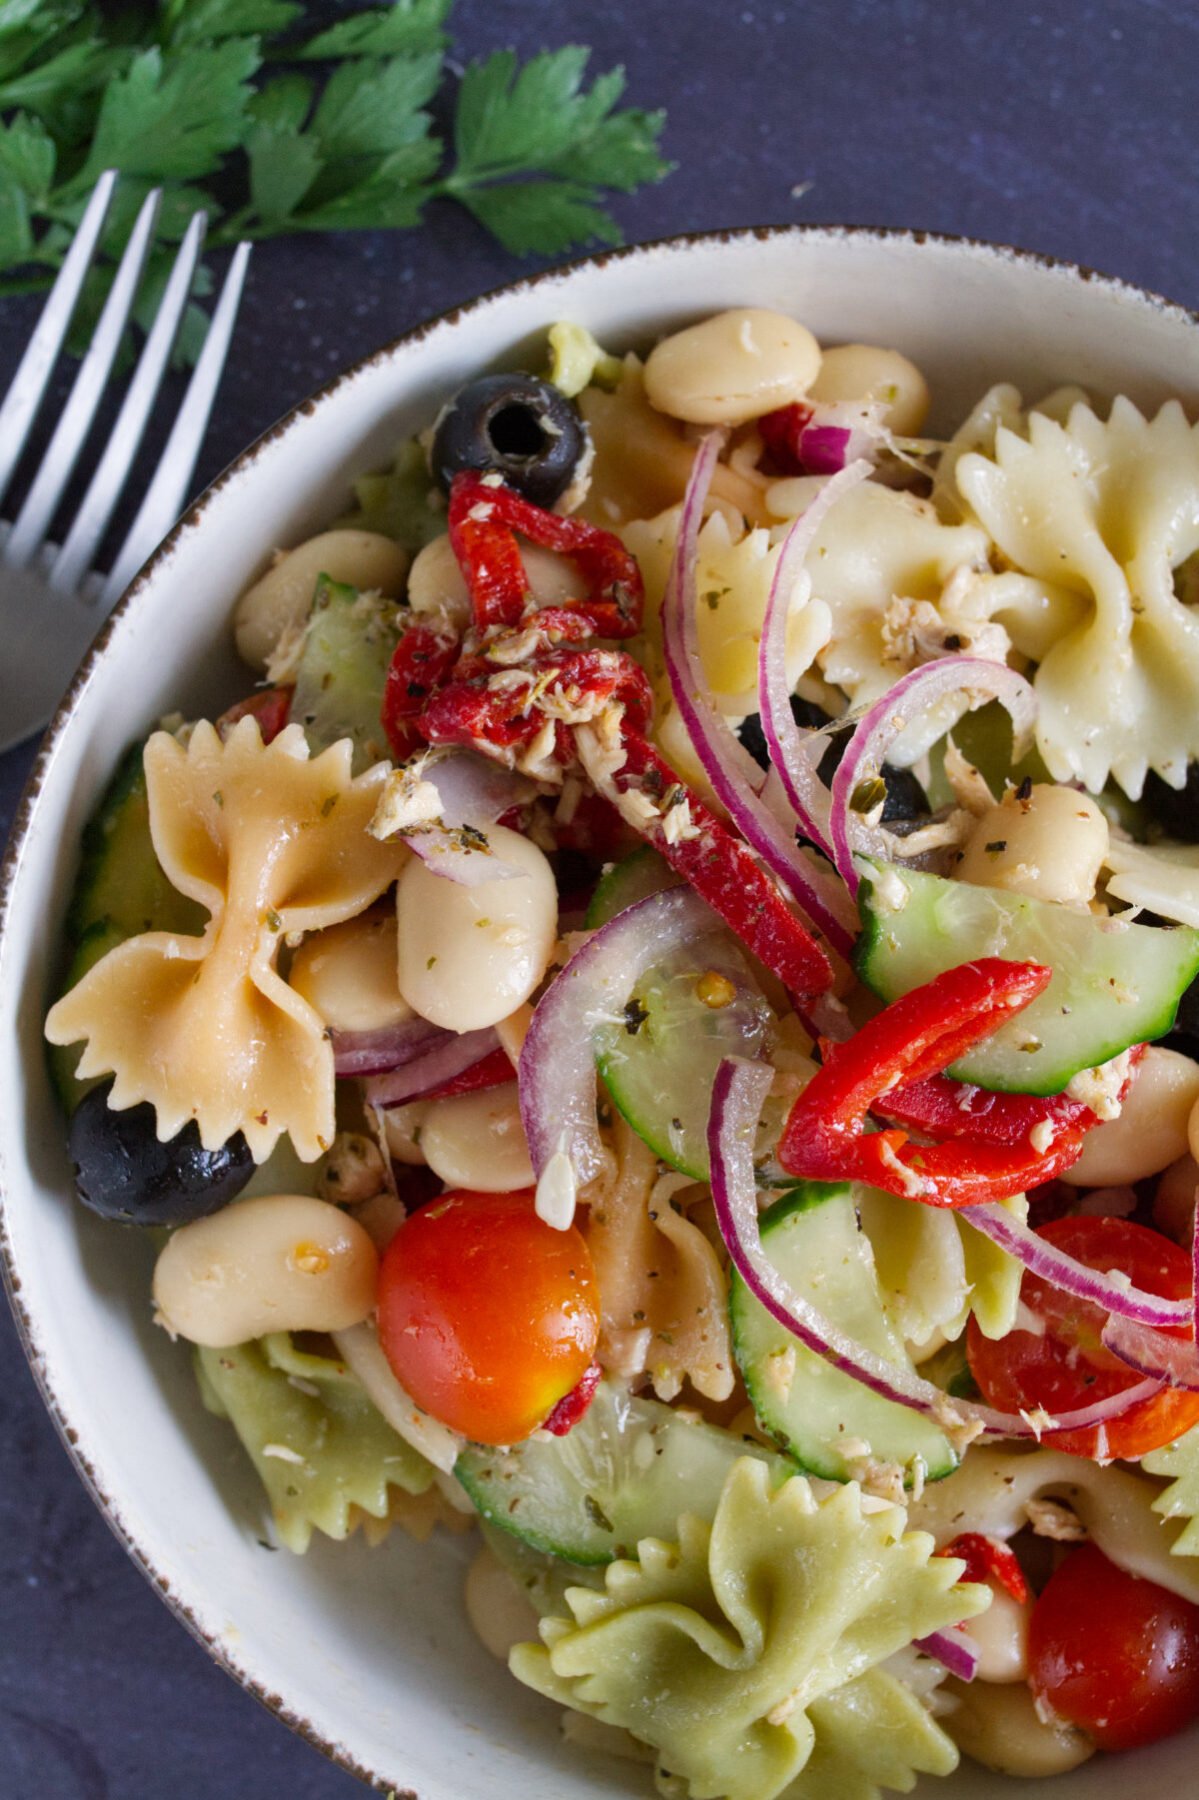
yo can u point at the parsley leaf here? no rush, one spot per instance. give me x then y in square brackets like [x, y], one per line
[511, 120]
[174, 116]
[190, 96]
[407, 27]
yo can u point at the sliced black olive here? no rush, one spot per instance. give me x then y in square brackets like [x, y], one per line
[906, 798]
[515, 425]
[122, 1171]
[1175, 809]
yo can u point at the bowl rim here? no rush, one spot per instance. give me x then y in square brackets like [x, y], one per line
[110, 1511]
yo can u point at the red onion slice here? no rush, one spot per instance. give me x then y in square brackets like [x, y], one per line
[1043, 1259]
[449, 1055]
[796, 754]
[378, 1052]
[1168, 1359]
[557, 1064]
[737, 1098]
[957, 1652]
[473, 793]
[977, 679]
[735, 776]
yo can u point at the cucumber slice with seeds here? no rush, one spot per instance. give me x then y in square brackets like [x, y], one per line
[624, 1472]
[343, 666]
[1114, 984]
[829, 1423]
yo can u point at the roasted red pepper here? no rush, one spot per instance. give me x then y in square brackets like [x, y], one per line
[941, 1108]
[270, 706]
[423, 658]
[472, 709]
[721, 869]
[912, 1039]
[491, 1071]
[987, 1559]
[572, 1406]
[484, 518]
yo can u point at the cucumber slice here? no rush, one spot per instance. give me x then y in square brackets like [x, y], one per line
[625, 1472]
[635, 878]
[820, 1416]
[1113, 984]
[120, 891]
[660, 1062]
[343, 666]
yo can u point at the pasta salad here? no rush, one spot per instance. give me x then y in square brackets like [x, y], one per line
[664, 1027]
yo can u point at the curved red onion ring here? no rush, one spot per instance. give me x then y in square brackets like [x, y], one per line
[795, 754]
[978, 678]
[390, 1047]
[557, 1064]
[735, 776]
[953, 1649]
[474, 793]
[449, 1055]
[1173, 1360]
[737, 1096]
[1073, 1277]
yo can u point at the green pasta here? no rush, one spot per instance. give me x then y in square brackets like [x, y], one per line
[320, 1445]
[720, 1649]
[1179, 1461]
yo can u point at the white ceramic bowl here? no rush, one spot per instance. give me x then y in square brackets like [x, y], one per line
[368, 1652]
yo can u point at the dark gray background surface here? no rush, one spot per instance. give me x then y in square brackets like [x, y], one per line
[1067, 127]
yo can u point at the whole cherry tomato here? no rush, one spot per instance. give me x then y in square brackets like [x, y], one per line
[487, 1315]
[1113, 1654]
[1066, 1366]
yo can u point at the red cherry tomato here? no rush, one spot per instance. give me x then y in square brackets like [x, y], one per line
[1113, 1654]
[1067, 1367]
[487, 1314]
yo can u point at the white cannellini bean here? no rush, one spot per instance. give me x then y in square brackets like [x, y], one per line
[870, 372]
[1050, 845]
[437, 585]
[732, 367]
[1151, 1130]
[282, 1262]
[281, 599]
[349, 974]
[1174, 1201]
[470, 955]
[501, 1615]
[478, 1141]
[1001, 1635]
[402, 1129]
[999, 1727]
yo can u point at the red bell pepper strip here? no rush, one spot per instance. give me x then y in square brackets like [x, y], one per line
[471, 709]
[941, 1108]
[483, 520]
[491, 1071]
[572, 1406]
[987, 1559]
[270, 706]
[915, 1037]
[721, 869]
[421, 661]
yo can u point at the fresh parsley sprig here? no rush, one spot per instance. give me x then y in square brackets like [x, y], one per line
[237, 107]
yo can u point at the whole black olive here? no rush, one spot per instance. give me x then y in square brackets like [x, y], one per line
[1175, 809]
[122, 1171]
[905, 799]
[515, 425]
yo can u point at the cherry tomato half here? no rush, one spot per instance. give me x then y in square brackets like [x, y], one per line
[1113, 1654]
[487, 1314]
[1067, 1367]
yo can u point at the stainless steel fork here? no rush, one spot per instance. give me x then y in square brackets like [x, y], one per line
[52, 600]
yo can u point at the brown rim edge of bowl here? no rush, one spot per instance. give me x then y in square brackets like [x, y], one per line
[219, 1652]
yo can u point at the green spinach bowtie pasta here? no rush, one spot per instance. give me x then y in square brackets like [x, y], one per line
[664, 1026]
